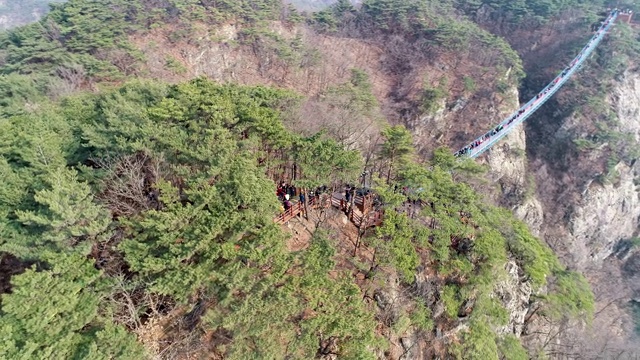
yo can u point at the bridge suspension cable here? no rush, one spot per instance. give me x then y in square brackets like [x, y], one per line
[486, 141]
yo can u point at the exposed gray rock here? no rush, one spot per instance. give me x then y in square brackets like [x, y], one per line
[605, 215]
[514, 295]
[411, 347]
[434, 124]
[626, 98]
[508, 164]
[595, 220]
[532, 214]
[508, 167]
[381, 300]
[458, 105]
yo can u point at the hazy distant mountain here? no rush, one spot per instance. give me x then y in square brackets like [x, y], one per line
[312, 5]
[19, 12]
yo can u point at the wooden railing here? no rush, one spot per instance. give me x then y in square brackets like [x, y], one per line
[290, 213]
[297, 208]
[365, 215]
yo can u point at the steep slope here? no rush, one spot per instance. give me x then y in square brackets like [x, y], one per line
[581, 151]
[177, 181]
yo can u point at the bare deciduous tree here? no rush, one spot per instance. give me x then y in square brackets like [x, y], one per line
[129, 188]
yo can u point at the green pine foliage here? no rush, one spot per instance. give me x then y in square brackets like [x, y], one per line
[468, 243]
[324, 161]
[54, 313]
[394, 245]
[479, 342]
[397, 148]
[451, 300]
[511, 348]
[66, 214]
[572, 296]
[421, 317]
[289, 315]
[355, 95]
[210, 233]
[184, 246]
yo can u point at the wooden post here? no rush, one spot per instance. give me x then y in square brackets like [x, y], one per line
[353, 198]
[304, 203]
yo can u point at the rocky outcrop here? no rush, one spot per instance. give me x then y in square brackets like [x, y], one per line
[605, 215]
[514, 295]
[508, 167]
[432, 125]
[589, 217]
[626, 98]
[596, 213]
[506, 159]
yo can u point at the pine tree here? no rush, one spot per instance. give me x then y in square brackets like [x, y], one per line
[394, 245]
[396, 148]
[67, 214]
[53, 314]
[185, 246]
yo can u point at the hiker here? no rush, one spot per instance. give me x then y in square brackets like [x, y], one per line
[303, 207]
[280, 193]
[287, 204]
[291, 190]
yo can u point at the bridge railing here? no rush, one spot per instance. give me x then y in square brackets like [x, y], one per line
[526, 110]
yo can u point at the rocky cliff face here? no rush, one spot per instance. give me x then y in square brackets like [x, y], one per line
[325, 61]
[515, 295]
[605, 215]
[587, 222]
[508, 168]
[626, 99]
[597, 215]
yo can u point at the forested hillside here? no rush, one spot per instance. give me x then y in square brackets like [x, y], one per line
[137, 212]
[148, 199]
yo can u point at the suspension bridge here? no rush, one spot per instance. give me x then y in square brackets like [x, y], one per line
[486, 141]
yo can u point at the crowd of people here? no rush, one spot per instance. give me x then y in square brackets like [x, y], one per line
[541, 95]
[287, 192]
